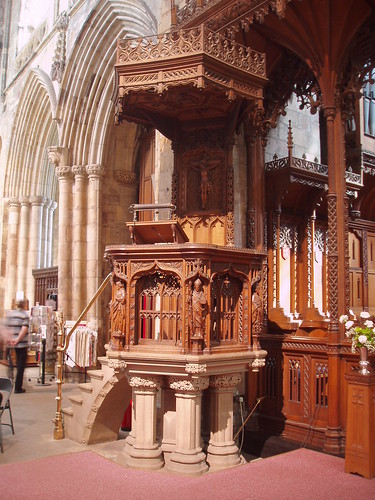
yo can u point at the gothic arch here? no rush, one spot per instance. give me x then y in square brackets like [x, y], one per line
[85, 106]
[28, 170]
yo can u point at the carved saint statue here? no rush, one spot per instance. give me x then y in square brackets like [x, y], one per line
[118, 309]
[199, 308]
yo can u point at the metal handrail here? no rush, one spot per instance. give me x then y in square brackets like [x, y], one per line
[61, 349]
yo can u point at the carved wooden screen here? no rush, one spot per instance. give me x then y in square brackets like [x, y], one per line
[294, 368]
[226, 300]
[270, 377]
[321, 384]
[159, 308]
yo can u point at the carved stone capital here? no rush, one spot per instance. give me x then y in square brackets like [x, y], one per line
[95, 170]
[124, 177]
[37, 201]
[225, 381]
[117, 365]
[25, 201]
[79, 170]
[188, 385]
[58, 155]
[13, 202]
[257, 363]
[64, 172]
[147, 382]
[195, 368]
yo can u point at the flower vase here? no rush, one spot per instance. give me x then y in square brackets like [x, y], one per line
[364, 363]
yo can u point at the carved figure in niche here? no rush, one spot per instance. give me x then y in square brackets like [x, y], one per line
[117, 308]
[198, 309]
[204, 166]
[256, 309]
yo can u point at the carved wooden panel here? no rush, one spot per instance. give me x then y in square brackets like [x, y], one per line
[159, 308]
[205, 229]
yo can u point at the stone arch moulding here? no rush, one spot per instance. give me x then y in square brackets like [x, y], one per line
[90, 93]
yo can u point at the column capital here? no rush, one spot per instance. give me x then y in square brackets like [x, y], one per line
[123, 177]
[37, 200]
[25, 201]
[188, 385]
[226, 381]
[13, 202]
[330, 112]
[64, 172]
[79, 170]
[58, 155]
[96, 170]
[145, 382]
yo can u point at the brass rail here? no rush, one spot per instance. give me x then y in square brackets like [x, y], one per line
[61, 349]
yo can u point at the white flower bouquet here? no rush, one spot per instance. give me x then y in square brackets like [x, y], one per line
[360, 331]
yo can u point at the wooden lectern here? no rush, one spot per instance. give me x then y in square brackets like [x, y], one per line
[360, 426]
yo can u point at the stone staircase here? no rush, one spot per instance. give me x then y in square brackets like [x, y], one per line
[96, 413]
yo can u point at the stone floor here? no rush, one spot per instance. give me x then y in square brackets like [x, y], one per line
[33, 414]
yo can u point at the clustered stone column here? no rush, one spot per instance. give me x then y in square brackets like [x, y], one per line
[222, 451]
[12, 247]
[23, 242]
[188, 457]
[141, 444]
[175, 440]
[64, 174]
[30, 222]
[35, 242]
[79, 247]
[94, 216]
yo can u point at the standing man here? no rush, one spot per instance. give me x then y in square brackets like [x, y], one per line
[17, 322]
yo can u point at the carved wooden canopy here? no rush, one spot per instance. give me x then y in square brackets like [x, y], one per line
[182, 77]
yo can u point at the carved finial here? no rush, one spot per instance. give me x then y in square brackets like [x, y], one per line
[290, 140]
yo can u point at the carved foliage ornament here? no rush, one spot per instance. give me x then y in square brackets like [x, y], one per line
[190, 385]
[195, 368]
[225, 381]
[147, 382]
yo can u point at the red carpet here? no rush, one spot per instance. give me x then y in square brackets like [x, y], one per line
[302, 474]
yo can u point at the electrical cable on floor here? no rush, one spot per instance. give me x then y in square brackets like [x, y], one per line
[249, 415]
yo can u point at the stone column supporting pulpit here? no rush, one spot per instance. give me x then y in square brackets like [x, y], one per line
[360, 427]
[188, 457]
[222, 452]
[141, 445]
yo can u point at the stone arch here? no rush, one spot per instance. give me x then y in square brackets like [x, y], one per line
[85, 105]
[30, 187]
[28, 169]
